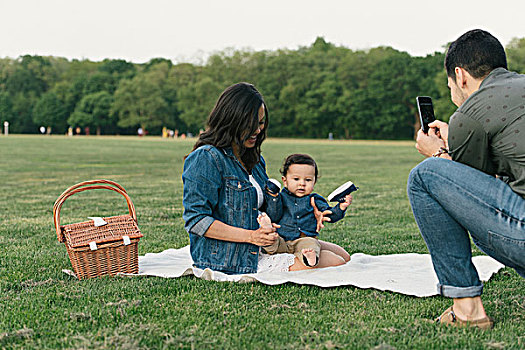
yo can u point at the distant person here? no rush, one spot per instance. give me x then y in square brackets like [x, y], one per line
[474, 180]
[292, 210]
[140, 132]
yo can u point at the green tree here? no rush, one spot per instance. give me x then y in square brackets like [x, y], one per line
[310, 91]
[443, 106]
[94, 110]
[118, 68]
[32, 74]
[6, 108]
[50, 111]
[71, 92]
[516, 55]
[196, 101]
[23, 113]
[155, 61]
[140, 102]
[318, 108]
[99, 81]
[380, 105]
[77, 68]
[306, 105]
[27, 79]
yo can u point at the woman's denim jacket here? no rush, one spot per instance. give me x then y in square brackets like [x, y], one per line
[296, 214]
[217, 187]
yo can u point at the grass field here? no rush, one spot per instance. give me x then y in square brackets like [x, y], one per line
[42, 308]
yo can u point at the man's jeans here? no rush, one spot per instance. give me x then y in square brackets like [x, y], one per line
[448, 199]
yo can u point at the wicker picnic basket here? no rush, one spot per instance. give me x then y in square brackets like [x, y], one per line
[100, 250]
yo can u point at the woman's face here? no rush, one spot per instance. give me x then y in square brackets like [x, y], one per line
[250, 142]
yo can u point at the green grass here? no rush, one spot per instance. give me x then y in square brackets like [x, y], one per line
[42, 308]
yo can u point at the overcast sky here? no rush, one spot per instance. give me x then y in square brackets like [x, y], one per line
[189, 30]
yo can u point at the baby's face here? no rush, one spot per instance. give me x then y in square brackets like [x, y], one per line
[300, 179]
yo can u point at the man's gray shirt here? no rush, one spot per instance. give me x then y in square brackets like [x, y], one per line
[487, 131]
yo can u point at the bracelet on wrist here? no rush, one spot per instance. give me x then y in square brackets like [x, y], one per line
[442, 150]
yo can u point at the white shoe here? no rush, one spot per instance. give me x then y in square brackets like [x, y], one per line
[339, 194]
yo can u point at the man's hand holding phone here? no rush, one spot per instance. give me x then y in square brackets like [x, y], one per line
[441, 130]
[432, 139]
[437, 138]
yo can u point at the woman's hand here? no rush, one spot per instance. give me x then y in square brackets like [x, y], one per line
[261, 237]
[264, 235]
[319, 215]
[346, 203]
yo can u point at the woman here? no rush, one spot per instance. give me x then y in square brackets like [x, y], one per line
[223, 177]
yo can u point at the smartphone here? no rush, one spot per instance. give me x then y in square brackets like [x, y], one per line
[426, 112]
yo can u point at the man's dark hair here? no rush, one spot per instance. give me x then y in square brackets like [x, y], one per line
[297, 158]
[476, 51]
[234, 119]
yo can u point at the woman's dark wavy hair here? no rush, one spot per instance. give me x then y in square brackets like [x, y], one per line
[233, 120]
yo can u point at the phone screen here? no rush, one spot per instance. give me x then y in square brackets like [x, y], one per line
[426, 112]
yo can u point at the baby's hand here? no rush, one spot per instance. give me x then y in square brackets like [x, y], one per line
[346, 203]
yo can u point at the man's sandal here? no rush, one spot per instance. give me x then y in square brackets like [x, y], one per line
[449, 318]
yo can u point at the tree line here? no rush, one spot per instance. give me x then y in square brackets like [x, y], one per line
[310, 92]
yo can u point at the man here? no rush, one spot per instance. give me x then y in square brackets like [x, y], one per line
[475, 180]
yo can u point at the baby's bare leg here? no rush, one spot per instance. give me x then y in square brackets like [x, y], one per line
[306, 249]
[328, 258]
[310, 256]
[334, 248]
[299, 265]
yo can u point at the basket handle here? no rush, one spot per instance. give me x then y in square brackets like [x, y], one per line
[90, 182]
[85, 186]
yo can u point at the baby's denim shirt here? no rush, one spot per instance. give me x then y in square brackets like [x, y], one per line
[217, 187]
[296, 214]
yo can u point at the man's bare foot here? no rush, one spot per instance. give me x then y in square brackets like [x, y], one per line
[264, 220]
[309, 257]
[469, 309]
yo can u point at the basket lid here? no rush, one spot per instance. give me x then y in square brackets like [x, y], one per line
[83, 233]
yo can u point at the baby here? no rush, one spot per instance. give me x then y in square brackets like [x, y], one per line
[292, 210]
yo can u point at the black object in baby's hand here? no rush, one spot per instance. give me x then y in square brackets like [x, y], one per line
[339, 194]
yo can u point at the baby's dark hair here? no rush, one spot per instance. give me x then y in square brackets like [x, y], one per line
[297, 158]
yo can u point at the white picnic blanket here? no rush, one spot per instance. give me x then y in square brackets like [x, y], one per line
[410, 274]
